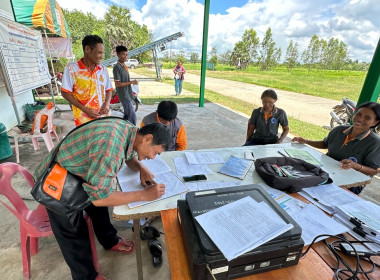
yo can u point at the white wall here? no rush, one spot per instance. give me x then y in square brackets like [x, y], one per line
[7, 113]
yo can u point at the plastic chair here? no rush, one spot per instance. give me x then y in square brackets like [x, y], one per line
[16, 133]
[33, 223]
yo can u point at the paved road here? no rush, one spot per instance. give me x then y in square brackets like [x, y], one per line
[315, 110]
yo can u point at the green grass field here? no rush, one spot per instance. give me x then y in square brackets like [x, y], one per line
[297, 127]
[327, 83]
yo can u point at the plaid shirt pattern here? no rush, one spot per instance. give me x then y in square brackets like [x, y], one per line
[96, 153]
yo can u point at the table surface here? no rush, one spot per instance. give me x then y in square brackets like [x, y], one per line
[343, 178]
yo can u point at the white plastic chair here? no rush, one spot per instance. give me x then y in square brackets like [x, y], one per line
[47, 136]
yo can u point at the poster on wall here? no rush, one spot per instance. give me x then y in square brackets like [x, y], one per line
[23, 58]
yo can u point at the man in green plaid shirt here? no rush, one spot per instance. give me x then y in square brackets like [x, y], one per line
[96, 152]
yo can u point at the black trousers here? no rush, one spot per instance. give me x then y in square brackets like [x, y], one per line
[74, 240]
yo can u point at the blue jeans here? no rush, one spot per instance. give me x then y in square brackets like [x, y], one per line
[178, 85]
[129, 112]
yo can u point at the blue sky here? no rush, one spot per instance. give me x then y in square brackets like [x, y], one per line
[356, 22]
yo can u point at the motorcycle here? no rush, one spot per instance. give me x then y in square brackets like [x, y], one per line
[342, 114]
[117, 106]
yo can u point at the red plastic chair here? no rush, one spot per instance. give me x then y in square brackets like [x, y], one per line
[33, 223]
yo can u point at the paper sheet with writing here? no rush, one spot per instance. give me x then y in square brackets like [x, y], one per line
[185, 169]
[241, 226]
[365, 212]
[314, 222]
[156, 165]
[287, 202]
[328, 196]
[304, 155]
[173, 186]
[203, 158]
[236, 167]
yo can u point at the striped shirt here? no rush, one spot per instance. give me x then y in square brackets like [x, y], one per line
[96, 152]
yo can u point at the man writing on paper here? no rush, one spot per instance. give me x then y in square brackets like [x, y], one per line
[96, 152]
[86, 83]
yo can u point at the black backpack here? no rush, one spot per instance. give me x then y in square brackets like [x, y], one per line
[290, 174]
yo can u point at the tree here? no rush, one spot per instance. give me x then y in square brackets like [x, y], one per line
[194, 57]
[251, 40]
[245, 51]
[291, 58]
[312, 55]
[119, 27]
[214, 56]
[225, 58]
[80, 25]
[269, 54]
[240, 55]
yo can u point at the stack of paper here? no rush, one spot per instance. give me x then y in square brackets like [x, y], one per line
[312, 220]
[328, 197]
[129, 180]
[242, 226]
[362, 217]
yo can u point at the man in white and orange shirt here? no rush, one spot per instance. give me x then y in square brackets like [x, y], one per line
[167, 114]
[86, 83]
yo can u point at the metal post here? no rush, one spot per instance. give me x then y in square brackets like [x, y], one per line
[51, 63]
[155, 58]
[204, 52]
[371, 86]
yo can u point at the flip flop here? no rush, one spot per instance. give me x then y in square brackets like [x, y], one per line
[126, 243]
[155, 249]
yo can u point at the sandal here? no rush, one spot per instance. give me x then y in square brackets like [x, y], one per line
[123, 242]
[155, 249]
[149, 232]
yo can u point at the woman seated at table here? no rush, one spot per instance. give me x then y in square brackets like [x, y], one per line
[264, 122]
[354, 146]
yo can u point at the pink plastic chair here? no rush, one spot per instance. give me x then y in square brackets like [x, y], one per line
[47, 136]
[33, 223]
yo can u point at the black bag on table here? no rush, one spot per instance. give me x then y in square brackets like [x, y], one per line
[290, 174]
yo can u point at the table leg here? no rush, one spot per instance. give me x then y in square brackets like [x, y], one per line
[136, 237]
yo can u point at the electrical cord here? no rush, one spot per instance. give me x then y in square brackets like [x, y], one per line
[342, 267]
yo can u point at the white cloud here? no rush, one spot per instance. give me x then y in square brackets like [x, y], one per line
[97, 7]
[357, 23]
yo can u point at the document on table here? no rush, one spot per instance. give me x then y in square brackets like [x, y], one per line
[329, 196]
[302, 154]
[236, 167]
[287, 202]
[203, 158]
[314, 222]
[156, 165]
[173, 186]
[365, 212]
[185, 169]
[201, 186]
[242, 226]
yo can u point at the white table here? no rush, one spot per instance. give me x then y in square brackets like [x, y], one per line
[342, 178]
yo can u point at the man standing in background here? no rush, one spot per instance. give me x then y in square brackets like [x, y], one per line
[123, 84]
[86, 83]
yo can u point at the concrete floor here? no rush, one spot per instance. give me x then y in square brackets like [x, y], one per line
[212, 126]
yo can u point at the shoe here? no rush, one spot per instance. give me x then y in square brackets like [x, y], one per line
[126, 243]
[155, 249]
